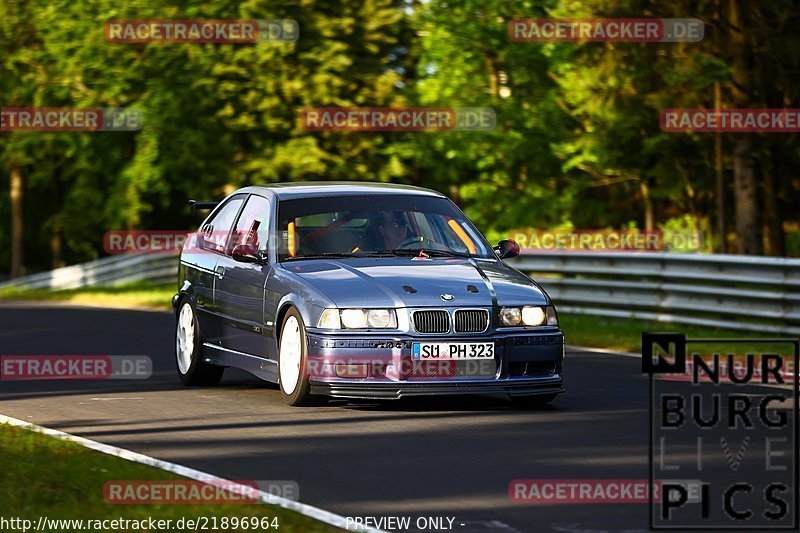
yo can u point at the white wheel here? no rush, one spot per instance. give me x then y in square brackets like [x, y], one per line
[185, 338]
[291, 355]
[188, 353]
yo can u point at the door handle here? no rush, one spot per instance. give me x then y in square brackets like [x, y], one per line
[220, 272]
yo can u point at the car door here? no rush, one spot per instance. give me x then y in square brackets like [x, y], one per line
[239, 289]
[211, 241]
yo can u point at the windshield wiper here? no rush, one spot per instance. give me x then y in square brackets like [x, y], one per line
[416, 253]
[325, 255]
[447, 253]
[381, 253]
[377, 253]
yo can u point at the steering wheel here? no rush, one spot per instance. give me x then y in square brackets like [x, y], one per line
[416, 239]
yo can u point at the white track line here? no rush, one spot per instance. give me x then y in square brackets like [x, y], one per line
[264, 497]
[601, 350]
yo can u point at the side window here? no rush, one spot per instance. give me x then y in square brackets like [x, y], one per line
[215, 232]
[252, 228]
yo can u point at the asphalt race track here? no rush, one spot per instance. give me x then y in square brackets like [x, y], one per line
[448, 457]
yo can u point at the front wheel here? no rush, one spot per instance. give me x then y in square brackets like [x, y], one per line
[292, 354]
[191, 368]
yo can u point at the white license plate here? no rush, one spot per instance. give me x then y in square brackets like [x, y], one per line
[452, 351]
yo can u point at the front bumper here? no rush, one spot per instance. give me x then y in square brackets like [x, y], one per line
[525, 364]
[397, 390]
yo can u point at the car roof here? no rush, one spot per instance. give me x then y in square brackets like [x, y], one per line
[310, 189]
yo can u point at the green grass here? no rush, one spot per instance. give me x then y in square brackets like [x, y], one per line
[136, 295]
[46, 476]
[626, 334]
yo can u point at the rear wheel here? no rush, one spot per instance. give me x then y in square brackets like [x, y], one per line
[292, 353]
[188, 351]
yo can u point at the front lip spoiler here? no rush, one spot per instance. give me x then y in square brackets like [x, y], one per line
[407, 389]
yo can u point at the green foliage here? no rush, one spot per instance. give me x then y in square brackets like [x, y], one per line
[577, 141]
[625, 334]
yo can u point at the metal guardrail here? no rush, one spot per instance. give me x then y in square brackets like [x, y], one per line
[740, 292]
[115, 270]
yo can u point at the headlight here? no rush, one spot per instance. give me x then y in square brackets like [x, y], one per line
[354, 318]
[379, 318]
[533, 316]
[329, 319]
[528, 316]
[358, 319]
[511, 316]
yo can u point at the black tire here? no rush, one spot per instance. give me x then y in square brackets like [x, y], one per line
[198, 372]
[533, 401]
[301, 393]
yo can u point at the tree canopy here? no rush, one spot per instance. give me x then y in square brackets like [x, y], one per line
[577, 142]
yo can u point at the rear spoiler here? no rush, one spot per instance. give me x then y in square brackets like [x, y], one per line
[194, 205]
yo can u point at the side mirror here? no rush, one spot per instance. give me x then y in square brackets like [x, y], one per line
[246, 253]
[507, 249]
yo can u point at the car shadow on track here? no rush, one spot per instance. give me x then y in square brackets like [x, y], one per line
[435, 404]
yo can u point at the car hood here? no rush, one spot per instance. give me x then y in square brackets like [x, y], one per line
[403, 282]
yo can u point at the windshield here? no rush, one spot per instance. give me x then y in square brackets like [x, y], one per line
[364, 226]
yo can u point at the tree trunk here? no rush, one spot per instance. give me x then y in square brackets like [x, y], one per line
[17, 239]
[719, 161]
[746, 194]
[748, 226]
[772, 208]
[56, 249]
[649, 215]
[56, 236]
[719, 168]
